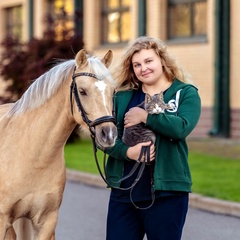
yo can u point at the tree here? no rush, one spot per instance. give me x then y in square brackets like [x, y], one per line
[22, 63]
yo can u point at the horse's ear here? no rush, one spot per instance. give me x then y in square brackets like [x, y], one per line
[107, 59]
[81, 58]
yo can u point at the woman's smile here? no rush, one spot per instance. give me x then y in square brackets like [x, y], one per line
[146, 73]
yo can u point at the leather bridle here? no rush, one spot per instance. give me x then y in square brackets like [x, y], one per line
[91, 124]
[74, 91]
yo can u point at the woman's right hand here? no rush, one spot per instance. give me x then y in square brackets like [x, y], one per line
[134, 151]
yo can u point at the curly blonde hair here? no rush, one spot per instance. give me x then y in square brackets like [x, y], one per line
[124, 74]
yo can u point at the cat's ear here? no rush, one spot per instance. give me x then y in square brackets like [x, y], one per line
[148, 98]
[160, 95]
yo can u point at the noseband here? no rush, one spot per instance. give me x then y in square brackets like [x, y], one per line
[73, 90]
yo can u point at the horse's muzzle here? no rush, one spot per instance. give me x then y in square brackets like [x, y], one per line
[106, 134]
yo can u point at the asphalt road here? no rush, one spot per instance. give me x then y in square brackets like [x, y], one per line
[83, 216]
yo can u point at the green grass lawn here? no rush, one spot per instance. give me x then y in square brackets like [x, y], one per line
[215, 176]
[80, 156]
[215, 172]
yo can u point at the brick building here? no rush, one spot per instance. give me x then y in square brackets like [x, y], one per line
[202, 34]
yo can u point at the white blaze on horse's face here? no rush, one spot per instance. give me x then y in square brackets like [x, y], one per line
[101, 87]
[96, 79]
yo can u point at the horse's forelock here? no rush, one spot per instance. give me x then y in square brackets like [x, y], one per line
[96, 66]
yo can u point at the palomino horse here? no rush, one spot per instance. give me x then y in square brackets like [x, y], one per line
[34, 131]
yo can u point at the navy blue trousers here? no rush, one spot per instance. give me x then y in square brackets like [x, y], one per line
[163, 221]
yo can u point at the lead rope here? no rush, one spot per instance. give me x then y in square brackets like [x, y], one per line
[104, 167]
[145, 153]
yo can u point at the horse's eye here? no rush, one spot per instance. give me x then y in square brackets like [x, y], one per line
[82, 92]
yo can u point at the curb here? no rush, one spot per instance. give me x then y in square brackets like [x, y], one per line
[195, 200]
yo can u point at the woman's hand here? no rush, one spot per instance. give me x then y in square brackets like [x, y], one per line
[134, 152]
[135, 116]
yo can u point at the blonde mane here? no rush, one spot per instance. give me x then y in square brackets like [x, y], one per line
[48, 84]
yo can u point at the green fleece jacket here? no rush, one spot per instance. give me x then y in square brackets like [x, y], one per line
[171, 128]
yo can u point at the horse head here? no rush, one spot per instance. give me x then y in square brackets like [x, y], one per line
[93, 88]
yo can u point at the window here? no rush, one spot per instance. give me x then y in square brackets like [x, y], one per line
[187, 18]
[14, 22]
[115, 21]
[60, 17]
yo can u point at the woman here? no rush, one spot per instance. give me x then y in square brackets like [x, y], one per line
[147, 67]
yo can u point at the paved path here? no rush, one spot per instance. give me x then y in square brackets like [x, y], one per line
[83, 216]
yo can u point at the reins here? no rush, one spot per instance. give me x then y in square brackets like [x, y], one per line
[145, 154]
[145, 151]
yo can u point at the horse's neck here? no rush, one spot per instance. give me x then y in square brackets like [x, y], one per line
[53, 120]
[44, 130]
[4, 108]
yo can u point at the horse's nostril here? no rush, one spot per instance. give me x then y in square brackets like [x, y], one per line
[103, 133]
[108, 134]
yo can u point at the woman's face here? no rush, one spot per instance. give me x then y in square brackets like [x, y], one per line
[147, 66]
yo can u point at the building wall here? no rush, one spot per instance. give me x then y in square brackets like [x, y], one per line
[235, 53]
[197, 58]
[234, 69]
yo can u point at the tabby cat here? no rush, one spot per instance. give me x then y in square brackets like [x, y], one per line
[140, 133]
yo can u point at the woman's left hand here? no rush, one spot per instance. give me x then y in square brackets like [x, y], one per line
[134, 151]
[135, 116]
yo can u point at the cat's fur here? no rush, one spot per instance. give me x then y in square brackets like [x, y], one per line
[140, 133]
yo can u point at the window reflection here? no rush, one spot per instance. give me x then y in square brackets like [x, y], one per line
[115, 21]
[14, 22]
[187, 18]
[61, 14]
